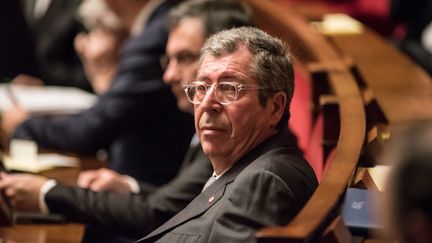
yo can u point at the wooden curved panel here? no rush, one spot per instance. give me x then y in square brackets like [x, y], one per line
[311, 47]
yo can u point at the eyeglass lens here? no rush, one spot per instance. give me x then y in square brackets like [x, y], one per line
[225, 92]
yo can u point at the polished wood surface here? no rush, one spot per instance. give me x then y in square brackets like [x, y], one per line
[71, 233]
[401, 88]
[311, 48]
[374, 85]
[68, 175]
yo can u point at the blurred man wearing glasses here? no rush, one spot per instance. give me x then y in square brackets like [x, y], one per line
[126, 121]
[241, 107]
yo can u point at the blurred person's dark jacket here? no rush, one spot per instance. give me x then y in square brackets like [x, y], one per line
[16, 44]
[137, 121]
[53, 35]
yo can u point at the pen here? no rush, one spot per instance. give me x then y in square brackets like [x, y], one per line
[12, 97]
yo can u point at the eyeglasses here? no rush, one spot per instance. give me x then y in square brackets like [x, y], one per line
[182, 58]
[225, 92]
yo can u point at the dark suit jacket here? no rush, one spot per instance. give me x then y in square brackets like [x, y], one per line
[133, 214]
[16, 45]
[53, 36]
[266, 187]
[137, 121]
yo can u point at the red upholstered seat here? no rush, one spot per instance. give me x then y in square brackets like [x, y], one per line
[314, 153]
[309, 136]
[301, 117]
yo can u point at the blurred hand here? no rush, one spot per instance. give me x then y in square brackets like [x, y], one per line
[25, 79]
[104, 180]
[99, 53]
[22, 190]
[11, 118]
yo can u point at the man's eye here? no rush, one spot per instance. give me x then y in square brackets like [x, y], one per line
[201, 88]
[227, 88]
[186, 57]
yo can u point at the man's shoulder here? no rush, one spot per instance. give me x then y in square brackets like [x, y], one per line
[285, 164]
[279, 159]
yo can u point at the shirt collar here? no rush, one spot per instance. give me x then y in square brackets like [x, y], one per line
[221, 174]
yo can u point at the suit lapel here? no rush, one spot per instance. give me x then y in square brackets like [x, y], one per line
[216, 191]
[203, 201]
[197, 207]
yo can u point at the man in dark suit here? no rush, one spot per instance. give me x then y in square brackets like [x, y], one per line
[134, 214]
[136, 120]
[16, 48]
[241, 103]
[53, 26]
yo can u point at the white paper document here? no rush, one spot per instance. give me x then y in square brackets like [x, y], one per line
[46, 99]
[23, 156]
[379, 174]
[338, 23]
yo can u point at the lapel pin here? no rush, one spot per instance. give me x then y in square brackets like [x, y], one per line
[211, 199]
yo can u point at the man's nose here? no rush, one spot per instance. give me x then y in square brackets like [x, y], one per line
[210, 102]
[171, 74]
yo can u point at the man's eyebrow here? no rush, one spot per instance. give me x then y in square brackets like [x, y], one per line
[202, 78]
[187, 52]
[232, 75]
[225, 75]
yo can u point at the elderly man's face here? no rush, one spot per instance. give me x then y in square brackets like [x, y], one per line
[183, 49]
[229, 131]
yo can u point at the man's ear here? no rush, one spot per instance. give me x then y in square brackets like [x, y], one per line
[277, 105]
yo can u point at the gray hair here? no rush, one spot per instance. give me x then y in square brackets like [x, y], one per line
[215, 15]
[271, 65]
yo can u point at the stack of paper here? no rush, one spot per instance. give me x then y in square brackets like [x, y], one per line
[24, 157]
[339, 24]
[379, 174]
[46, 99]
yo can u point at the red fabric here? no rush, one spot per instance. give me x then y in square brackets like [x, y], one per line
[301, 117]
[373, 13]
[314, 153]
